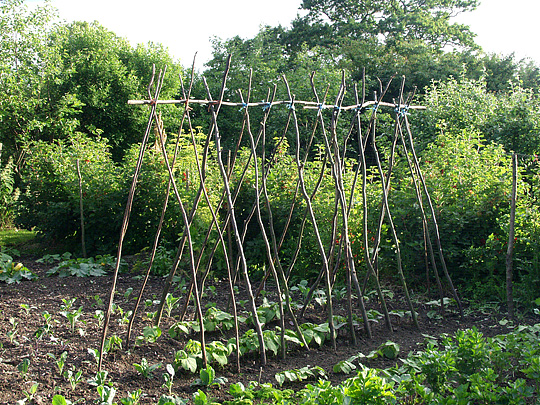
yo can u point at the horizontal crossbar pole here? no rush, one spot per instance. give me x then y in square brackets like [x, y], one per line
[306, 104]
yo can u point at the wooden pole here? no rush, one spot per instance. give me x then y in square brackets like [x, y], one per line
[232, 215]
[127, 211]
[83, 243]
[511, 236]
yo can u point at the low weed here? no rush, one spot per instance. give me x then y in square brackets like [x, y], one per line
[13, 272]
[146, 369]
[304, 373]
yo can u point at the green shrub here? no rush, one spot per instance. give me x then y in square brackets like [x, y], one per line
[150, 196]
[8, 193]
[510, 119]
[51, 198]
[50, 201]
[469, 182]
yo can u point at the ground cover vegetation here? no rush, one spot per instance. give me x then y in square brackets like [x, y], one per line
[70, 144]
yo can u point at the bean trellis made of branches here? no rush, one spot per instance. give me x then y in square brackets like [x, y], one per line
[361, 130]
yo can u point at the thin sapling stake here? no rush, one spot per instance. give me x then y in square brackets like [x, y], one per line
[232, 217]
[129, 205]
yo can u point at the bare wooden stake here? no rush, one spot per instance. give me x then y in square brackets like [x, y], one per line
[511, 236]
[83, 243]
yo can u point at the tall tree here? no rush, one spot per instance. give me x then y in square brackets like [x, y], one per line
[408, 37]
[58, 79]
[387, 21]
[97, 72]
[22, 42]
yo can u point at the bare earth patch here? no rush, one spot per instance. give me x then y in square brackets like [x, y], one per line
[46, 294]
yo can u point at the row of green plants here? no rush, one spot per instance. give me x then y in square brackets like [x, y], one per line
[451, 369]
[458, 369]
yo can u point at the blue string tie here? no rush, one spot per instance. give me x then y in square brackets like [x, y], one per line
[266, 106]
[291, 106]
[402, 112]
[244, 105]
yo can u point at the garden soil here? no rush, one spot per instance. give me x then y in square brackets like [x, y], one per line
[46, 294]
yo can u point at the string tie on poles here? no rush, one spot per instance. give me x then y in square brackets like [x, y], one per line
[402, 111]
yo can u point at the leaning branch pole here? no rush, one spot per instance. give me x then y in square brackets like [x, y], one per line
[127, 211]
[224, 174]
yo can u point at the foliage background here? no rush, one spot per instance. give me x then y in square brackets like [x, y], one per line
[63, 92]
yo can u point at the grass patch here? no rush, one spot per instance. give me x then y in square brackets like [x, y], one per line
[16, 237]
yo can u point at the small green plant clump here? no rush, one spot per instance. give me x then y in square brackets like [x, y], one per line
[13, 272]
[146, 369]
[91, 267]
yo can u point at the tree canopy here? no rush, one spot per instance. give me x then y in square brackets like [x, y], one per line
[388, 22]
[57, 79]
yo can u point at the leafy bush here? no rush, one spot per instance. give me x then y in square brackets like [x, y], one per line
[150, 196]
[12, 272]
[51, 198]
[469, 182]
[8, 193]
[510, 119]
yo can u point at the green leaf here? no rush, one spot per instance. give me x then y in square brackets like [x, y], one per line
[60, 400]
[390, 350]
[344, 367]
[222, 359]
[190, 364]
[151, 333]
[207, 375]
[272, 346]
[280, 378]
[199, 398]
